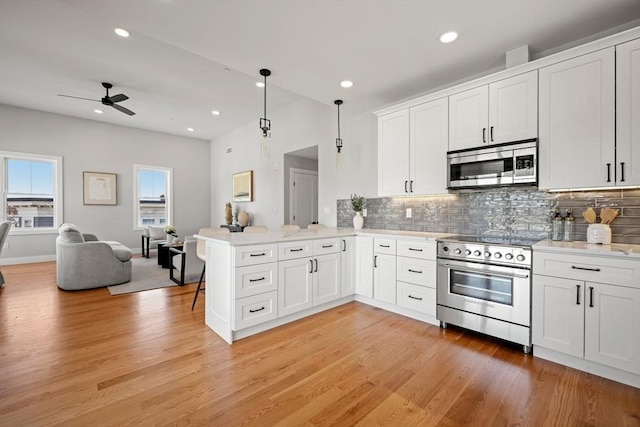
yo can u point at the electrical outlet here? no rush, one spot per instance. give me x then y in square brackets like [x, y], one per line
[364, 212]
[409, 212]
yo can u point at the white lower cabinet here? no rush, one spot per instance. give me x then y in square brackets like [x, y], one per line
[364, 266]
[347, 266]
[418, 298]
[416, 284]
[256, 309]
[384, 278]
[308, 281]
[574, 313]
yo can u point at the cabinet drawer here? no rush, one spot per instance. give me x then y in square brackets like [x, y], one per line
[326, 246]
[259, 254]
[418, 271]
[417, 298]
[293, 250]
[615, 271]
[384, 246]
[256, 279]
[417, 249]
[255, 309]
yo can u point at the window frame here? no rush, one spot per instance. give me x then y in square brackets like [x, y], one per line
[168, 197]
[58, 190]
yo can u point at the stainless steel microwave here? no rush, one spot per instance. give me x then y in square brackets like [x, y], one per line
[500, 165]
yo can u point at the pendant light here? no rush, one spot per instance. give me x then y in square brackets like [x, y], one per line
[338, 102]
[265, 124]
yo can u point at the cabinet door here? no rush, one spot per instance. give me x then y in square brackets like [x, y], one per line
[612, 326]
[429, 136]
[347, 266]
[295, 283]
[468, 118]
[628, 113]
[384, 278]
[393, 154]
[558, 314]
[513, 109]
[364, 266]
[577, 122]
[326, 278]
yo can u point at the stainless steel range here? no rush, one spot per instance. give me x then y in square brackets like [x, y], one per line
[484, 284]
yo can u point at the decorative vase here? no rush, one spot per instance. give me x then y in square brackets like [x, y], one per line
[358, 221]
[243, 218]
[599, 233]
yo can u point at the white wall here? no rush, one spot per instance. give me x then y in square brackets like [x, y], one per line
[88, 145]
[302, 124]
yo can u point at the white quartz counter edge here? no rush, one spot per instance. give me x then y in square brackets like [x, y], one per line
[583, 248]
[245, 239]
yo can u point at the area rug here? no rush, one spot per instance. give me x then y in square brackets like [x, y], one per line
[146, 274]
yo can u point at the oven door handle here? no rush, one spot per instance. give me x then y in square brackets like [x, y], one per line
[470, 270]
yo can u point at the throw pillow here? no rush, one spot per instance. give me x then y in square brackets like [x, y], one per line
[157, 233]
[69, 233]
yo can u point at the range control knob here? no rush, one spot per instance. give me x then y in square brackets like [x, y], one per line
[508, 256]
[457, 251]
[445, 248]
[487, 254]
[477, 253]
[467, 251]
[520, 257]
[497, 255]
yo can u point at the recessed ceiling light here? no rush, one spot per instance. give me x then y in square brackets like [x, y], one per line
[448, 37]
[97, 111]
[346, 83]
[122, 32]
[190, 129]
[215, 112]
[260, 84]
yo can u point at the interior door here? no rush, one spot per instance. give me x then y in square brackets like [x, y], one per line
[304, 197]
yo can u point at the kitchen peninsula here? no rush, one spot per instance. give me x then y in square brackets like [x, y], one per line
[259, 281]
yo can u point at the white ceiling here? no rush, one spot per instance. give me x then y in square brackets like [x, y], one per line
[186, 58]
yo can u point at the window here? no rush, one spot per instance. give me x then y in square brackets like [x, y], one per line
[31, 186]
[152, 195]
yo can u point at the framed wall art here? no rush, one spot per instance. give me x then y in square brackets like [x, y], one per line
[99, 188]
[243, 186]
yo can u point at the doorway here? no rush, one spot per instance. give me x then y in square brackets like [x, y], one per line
[301, 187]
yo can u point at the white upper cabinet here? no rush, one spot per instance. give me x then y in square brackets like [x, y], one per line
[577, 122]
[393, 153]
[412, 150]
[428, 137]
[503, 111]
[628, 113]
[468, 118]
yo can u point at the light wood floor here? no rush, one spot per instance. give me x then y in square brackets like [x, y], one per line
[90, 359]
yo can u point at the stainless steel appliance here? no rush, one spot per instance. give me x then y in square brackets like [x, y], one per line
[495, 166]
[484, 284]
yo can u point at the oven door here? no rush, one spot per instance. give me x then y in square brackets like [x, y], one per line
[502, 293]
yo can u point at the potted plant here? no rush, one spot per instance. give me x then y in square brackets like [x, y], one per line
[357, 204]
[172, 234]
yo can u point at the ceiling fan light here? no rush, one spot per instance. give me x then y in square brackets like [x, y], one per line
[122, 32]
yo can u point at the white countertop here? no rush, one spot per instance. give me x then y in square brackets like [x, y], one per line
[584, 248]
[243, 239]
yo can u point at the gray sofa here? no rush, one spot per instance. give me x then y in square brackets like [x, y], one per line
[84, 262]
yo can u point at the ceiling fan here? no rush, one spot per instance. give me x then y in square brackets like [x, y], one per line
[110, 101]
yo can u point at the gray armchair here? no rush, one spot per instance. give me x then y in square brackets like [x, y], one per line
[84, 262]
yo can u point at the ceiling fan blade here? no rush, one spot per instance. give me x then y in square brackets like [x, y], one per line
[78, 97]
[122, 109]
[118, 98]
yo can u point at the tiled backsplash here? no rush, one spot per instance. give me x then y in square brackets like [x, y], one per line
[524, 213]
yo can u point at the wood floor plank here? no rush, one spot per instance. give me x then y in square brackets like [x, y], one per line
[89, 358]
